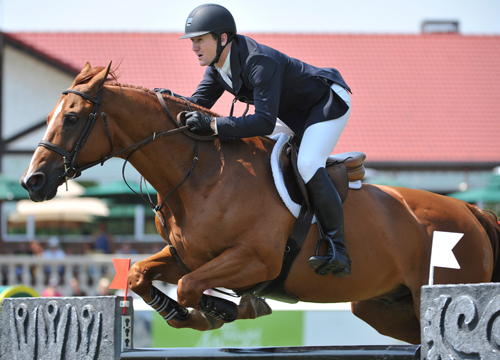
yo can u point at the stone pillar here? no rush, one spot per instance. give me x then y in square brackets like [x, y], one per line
[64, 328]
[460, 321]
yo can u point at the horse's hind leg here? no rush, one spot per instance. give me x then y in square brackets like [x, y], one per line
[397, 320]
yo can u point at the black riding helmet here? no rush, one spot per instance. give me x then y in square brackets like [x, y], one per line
[210, 18]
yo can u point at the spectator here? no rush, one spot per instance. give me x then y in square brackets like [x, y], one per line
[54, 252]
[37, 253]
[103, 241]
[87, 249]
[76, 290]
[51, 289]
[126, 249]
[36, 249]
[23, 250]
[103, 287]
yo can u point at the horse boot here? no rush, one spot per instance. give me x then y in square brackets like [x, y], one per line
[218, 308]
[328, 209]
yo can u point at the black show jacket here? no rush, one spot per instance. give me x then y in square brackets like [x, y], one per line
[278, 85]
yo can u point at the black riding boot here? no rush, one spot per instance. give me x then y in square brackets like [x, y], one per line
[328, 208]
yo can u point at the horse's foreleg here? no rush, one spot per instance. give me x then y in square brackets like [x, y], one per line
[164, 267]
[161, 266]
[250, 307]
[233, 269]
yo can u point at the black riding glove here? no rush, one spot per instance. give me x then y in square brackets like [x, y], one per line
[198, 121]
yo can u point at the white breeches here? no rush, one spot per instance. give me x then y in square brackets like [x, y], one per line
[320, 139]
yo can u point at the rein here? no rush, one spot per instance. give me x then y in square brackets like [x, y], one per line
[70, 157]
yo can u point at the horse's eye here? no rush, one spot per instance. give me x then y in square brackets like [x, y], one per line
[71, 118]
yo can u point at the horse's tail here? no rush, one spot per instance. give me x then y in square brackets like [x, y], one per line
[489, 221]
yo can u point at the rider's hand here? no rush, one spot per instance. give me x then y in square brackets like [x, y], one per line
[198, 121]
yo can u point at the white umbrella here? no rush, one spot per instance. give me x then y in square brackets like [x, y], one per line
[65, 207]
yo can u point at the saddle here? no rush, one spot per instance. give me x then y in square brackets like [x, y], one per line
[342, 168]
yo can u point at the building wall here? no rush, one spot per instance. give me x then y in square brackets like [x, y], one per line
[31, 89]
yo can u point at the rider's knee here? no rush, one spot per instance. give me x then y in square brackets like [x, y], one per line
[307, 167]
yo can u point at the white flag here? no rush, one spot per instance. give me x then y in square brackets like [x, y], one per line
[442, 249]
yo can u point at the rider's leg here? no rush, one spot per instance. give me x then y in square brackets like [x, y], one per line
[317, 144]
[326, 202]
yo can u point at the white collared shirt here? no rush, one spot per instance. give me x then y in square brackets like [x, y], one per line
[225, 70]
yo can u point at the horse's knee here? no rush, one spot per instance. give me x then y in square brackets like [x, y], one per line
[188, 293]
[138, 280]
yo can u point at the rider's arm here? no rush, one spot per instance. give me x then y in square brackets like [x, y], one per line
[265, 74]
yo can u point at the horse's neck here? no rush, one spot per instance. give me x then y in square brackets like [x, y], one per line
[138, 116]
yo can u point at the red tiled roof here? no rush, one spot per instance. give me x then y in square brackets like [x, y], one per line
[417, 98]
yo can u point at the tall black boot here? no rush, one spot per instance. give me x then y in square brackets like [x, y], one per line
[328, 208]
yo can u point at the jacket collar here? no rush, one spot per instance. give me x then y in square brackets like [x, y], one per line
[236, 57]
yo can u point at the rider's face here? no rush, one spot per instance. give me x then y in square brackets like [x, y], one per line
[205, 48]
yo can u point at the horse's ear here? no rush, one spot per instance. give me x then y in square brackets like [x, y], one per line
[82, 73]
[86, 69]
[98, 81]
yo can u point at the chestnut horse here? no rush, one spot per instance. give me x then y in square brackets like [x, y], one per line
[230, 227]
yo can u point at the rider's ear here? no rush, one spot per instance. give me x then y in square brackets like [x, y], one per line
[98, 81]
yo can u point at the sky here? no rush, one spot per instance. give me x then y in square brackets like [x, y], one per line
[475, 17]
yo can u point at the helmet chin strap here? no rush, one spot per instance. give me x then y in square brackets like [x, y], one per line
[220, 49]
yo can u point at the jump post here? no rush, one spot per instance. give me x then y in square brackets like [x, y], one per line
[91, 327]
[457, 322]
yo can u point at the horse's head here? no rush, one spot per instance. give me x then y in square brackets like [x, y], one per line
[69, 126]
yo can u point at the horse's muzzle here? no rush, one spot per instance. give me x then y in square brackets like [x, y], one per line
[36, 184]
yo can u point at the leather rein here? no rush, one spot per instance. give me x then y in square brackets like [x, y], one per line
[70, 164]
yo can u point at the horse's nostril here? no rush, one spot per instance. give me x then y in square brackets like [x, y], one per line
[35, 181]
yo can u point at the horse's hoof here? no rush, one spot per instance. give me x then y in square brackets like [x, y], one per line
[218, 308]
[213, 323]
[261, 307]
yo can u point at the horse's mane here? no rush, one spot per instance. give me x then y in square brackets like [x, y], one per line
[112, 80]
[178, 100]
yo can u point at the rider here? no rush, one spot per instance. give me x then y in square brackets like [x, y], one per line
[313, 102]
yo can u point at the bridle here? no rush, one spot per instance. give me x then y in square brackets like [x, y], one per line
[70, 164]
[70, 157]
